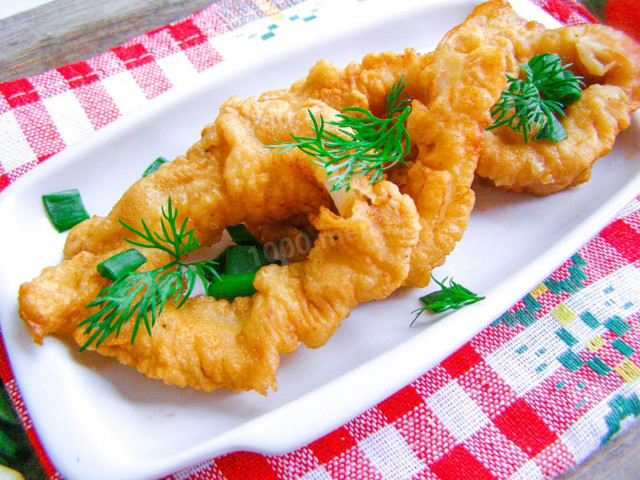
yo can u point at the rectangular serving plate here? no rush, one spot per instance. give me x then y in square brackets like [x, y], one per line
[98, 419]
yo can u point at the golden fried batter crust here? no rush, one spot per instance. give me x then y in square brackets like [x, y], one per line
[365, 84]
[463, 79]
[452, 89]
[608, 60]
[208, 344]
[226, 178]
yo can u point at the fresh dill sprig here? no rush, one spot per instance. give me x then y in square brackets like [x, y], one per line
[449, 297]
[522, 109]
[143, 295]
[534, 103]
[368, 145]
[394, 102]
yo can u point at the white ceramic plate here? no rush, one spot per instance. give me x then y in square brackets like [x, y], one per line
[100, 420]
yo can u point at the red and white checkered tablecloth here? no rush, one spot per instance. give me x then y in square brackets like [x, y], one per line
[529, 397]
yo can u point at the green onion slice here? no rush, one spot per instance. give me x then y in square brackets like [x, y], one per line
[238, 259]
[121, 264]
[157, 163]
[65, 209]
[232, 286]
[237, 265]
[244, 259]
[241, 236]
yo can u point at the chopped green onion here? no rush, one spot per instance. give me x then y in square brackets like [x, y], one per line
[239, 259]
[157, 163]
[121, 264]
[238, 265]
[65, 209]
[218, 265]
[242, 236]
[232, 286]
[244, 259]
[450, 297]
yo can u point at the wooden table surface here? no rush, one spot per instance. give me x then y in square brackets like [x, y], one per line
[65, 31]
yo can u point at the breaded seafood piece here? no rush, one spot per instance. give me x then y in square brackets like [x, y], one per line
[364, 84]
[226, 178]
[463, 78]
[608, 60]
[208, 344]
[452, 89]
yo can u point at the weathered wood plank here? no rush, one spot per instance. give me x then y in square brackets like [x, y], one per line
[67, 31]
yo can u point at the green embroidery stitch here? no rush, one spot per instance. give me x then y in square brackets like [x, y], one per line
[621, 408]
[623, 347]
[570, 360]
[561, 385]
[589, 320]
[522, 349]
[540, 368]
[598, 366]
[566, 337]
[617, 325]
[525, 316]
[574, 282]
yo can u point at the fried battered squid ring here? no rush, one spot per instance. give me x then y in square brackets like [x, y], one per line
[225, 178]
[462, 80]
[453, 89]
[208, 343]
[608, 60]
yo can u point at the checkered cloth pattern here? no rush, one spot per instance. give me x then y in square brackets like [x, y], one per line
[529, 397]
